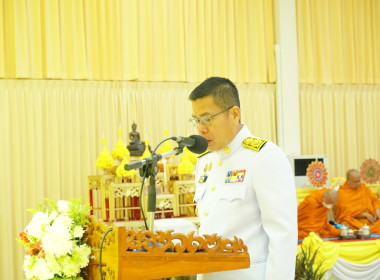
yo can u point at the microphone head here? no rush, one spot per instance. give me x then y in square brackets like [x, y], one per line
[200, 144]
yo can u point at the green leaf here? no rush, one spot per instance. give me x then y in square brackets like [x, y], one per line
[305, 269]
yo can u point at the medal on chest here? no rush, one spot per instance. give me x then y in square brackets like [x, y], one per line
[206, 169]
[235, 176]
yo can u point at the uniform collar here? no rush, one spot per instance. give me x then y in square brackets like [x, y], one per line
[235, 144]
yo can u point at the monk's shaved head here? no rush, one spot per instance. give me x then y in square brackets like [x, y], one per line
[352, 173]
[330, 197]
[353, 179]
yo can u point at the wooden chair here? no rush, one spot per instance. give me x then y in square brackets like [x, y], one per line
[94, 193]
[106, 180]
[184, 194]
[124, 201]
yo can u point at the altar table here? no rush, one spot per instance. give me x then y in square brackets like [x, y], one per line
[347, 259]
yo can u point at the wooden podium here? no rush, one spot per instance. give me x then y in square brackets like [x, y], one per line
[130, 254]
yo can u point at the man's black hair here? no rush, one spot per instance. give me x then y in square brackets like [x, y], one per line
[223, 90]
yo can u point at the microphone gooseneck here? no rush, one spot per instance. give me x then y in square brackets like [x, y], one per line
[148, 168]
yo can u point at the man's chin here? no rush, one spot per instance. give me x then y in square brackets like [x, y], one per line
[211, 147]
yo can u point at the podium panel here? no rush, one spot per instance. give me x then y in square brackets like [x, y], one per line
[131, 254]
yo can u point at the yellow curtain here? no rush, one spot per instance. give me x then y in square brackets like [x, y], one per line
[144, 40]
[51, 131]
[52, 122]
[338, 41]
[339, 75]
[341, 121]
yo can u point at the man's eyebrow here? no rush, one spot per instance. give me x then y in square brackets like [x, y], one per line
[204, 114]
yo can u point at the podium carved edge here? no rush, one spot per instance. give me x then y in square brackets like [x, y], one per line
[131, 254]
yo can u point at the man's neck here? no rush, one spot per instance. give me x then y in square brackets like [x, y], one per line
[236, 129]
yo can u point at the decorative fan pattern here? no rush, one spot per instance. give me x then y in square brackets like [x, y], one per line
[317, 173]
[370, 171]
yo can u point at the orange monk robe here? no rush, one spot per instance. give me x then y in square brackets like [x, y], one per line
[313, 217]
[351, 203]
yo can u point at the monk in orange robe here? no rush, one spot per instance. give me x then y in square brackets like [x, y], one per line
[313, 214]
[357, 205]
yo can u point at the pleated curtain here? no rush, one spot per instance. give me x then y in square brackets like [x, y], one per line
[339, 76]
[145, 40]
[74, 71]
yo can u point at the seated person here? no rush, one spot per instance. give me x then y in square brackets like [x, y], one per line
[313, 214]
[357, 205]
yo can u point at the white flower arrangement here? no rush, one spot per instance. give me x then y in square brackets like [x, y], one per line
[54, 243]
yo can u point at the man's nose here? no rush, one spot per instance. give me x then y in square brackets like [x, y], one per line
[202, 129]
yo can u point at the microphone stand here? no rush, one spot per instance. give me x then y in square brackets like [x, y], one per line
[148, 167]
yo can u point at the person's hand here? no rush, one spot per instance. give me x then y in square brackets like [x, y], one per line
[368, 216]
[377, 214]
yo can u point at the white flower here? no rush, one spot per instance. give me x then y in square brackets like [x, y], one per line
[53, 264]
[53, 215]
[69, 266]
[36, 225]
[57, 240]
[28, 265]
[63, 206]
[55, 249]
[63, 221]
[81, 254]
[41, 270]
[78, 232]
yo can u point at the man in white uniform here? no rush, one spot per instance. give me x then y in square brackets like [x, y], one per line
[244, 186]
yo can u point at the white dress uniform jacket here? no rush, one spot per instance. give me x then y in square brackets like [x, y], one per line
[250, 194]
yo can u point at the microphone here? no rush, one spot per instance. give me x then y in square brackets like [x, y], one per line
[195, 143]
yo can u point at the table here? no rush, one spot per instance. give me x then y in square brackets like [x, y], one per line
[349, 259]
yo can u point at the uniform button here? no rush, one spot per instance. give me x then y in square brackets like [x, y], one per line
[205, 214]
[220, 163]
[227, 150]
[213, 188]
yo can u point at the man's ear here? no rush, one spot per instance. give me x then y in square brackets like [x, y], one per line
[236, 113]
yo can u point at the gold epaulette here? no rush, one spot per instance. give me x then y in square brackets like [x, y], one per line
[201, 155]
[254, 143]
